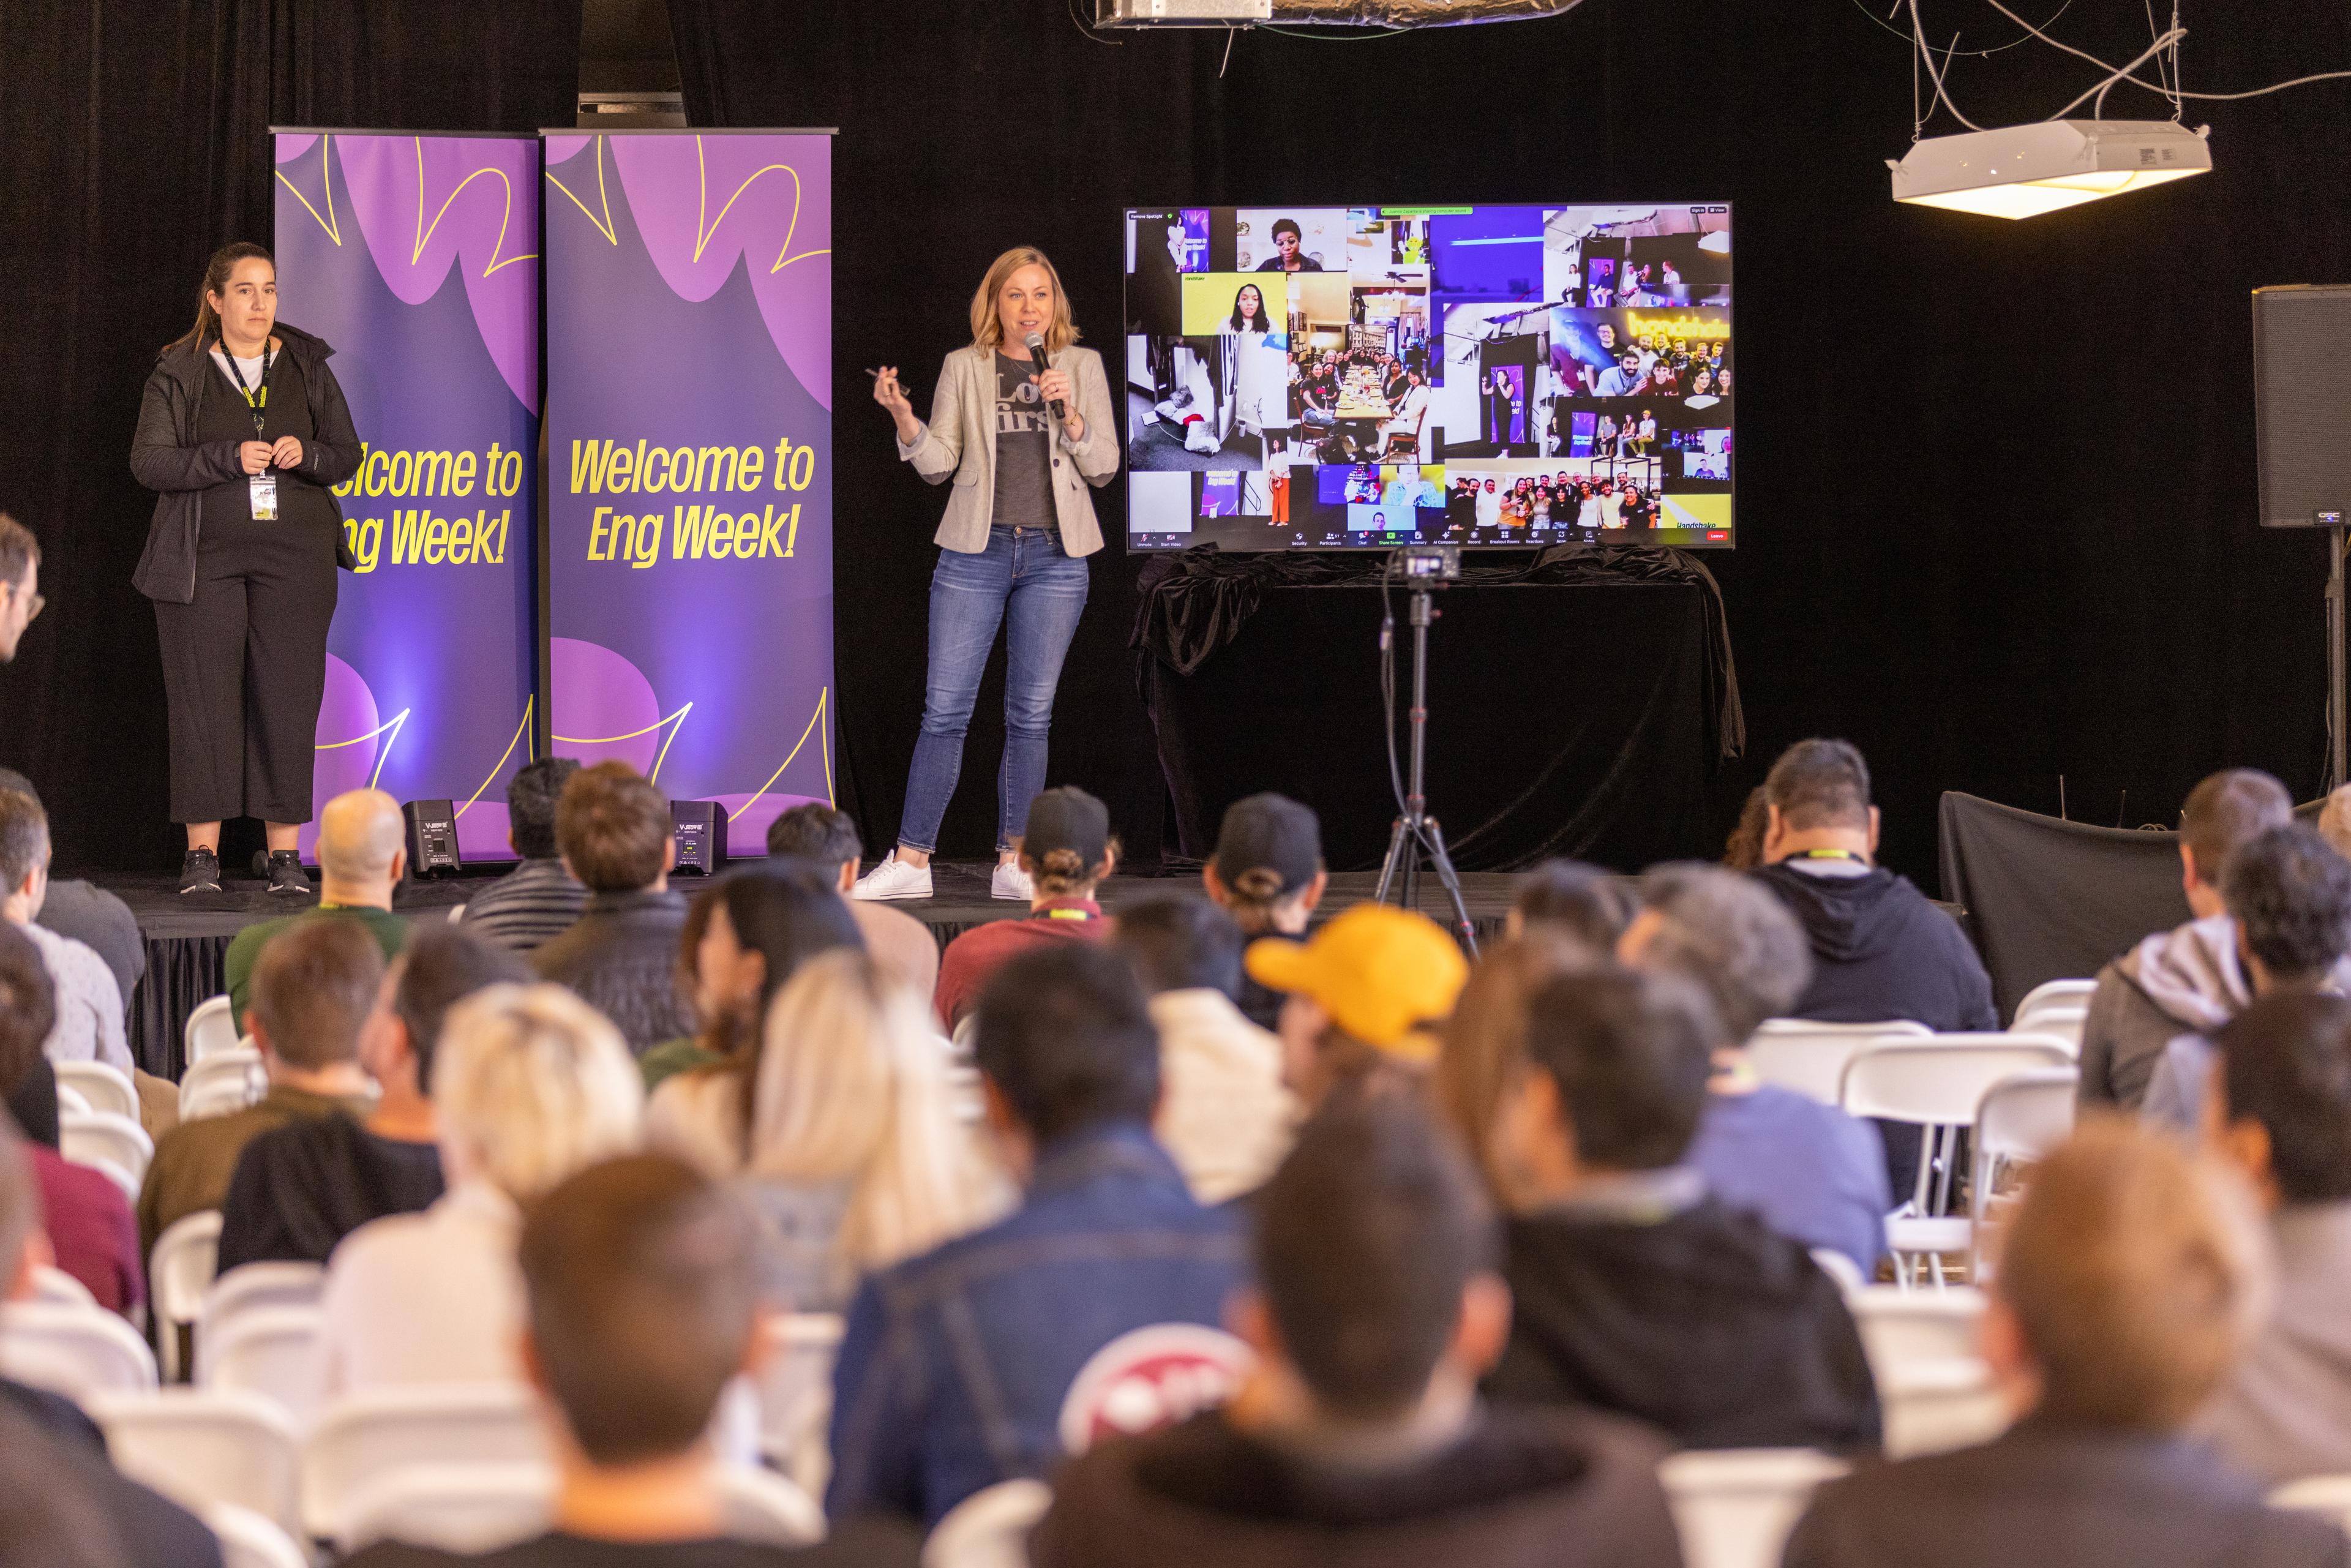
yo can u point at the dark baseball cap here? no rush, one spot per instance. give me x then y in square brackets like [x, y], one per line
[1269, 832]
[1067, 817]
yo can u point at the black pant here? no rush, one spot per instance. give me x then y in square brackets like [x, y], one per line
[245, 667]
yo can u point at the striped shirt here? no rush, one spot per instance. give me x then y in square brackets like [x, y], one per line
[522, 909]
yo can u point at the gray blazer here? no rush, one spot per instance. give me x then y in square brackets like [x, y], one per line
[960, 440]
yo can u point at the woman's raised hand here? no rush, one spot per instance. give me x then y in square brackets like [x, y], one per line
[890, 394]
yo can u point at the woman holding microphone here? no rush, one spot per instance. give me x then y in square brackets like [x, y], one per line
[241, 430]
[1021, 421]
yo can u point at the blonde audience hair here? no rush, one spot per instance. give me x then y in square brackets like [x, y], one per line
[854, 1087]
[987, 330]
[531, 1084]
[2136, 1271]
[1483, 1057]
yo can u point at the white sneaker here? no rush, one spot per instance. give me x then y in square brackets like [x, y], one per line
[1010, 881]
[893, 879]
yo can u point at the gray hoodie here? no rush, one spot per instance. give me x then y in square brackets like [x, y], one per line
[2184, 982]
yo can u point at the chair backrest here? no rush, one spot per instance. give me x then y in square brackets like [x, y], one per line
[179, 1270]
[225, 1081]
[70, 1099]
[2054, 993]
[212, 1027]
[1939, 1082]
[277, 1352]
[796, 1395]
[2062, 1024]
[364, 1437]
[760, 1505]
[990, 1528]
[476, 1508]
[2026, 1115]
[248, 1541]
[1734, 1508]
[1149, 1378]
[1840, 1268]
[101, 1088]
[1933, 1406]
[74, 1351]
[1901, 1328]
[1809, 1058]
[252, 1285]
[2328, 1497]
[103, 1139]
[203, 1445]
[61, 1289]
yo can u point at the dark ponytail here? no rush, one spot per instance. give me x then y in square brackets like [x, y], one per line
[216, 271]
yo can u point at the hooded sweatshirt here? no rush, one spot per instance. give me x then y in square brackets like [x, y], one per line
[1881, 951]
[2184, 982]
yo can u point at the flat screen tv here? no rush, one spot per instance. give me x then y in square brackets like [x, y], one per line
[1360, 378]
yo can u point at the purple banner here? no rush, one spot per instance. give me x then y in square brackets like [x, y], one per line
[417, 258]
[689, 350]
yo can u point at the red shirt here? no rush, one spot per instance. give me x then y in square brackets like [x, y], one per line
[91, 1229]
[976, 955]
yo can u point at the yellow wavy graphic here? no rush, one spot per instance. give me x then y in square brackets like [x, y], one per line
[521, 730]
[702, 205]
[424, 235]
[327, 175]
[392, 723]
[824, 744]
[654, 777]
[604, 223]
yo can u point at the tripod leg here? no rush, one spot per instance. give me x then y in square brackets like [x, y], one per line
[1435, 838]
[1398, 841]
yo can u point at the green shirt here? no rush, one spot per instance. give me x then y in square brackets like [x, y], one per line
[673, 1056]
[390, 930]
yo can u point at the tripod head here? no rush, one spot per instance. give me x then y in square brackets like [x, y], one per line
[1423, 567]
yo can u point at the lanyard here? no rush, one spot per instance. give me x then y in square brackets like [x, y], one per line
[256, 398]
[1828, 855]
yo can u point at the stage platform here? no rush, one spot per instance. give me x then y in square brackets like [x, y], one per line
[187, 937]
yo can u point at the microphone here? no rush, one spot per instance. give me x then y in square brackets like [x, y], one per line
[1037, 351]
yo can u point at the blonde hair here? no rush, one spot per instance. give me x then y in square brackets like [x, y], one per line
[2136, 1271]
[854, 1087]
[987, 330]
[1483, 1057]
[531, 1084]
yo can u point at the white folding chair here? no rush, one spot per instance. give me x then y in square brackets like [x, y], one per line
[2328, 1497]
[225, 1081]
[179, 1272]
[74, 1351]
[2053, 993]
[101, 1088]
[1734, 1508]
[1840, 1268]
[109, 1142]
[248, 1541]
[990, 1528]
[796, 1395]
[61, 1289]
[363, 1437]
[2020, 1119]
[212, 1027]
[476, 1508]
[1809, 1058]
[1902, 1328]
[276, 1352]
[2058, 1023]
[252, 1285]
[70, 1099]
[203, 1445]
[1933, 1406]
[1152, 1377]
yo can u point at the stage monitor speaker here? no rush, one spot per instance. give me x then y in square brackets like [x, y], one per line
[2302, 403]
[432, 837]
[701, 837]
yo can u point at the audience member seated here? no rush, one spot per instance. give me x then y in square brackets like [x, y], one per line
[642, 1307]
[1066, 853]
[363, 854]
[2289, 894]
[837, 1124]
[300, 1189]
[1637, 1291]
[56, 1484]
[1809, 1171]
[2279, 1108]
[90, 915]
[744, 936]
[955, 1366]
[529, 1085]
[1582, 901]
[620, 957]
[1223, 1113]
[90, 1231]
[311, 992]
[2334, 821]
[89, 1011]
[1365, 999]
[2128, 1285]
[2186, 979]
[1267, 872]
[539, 899]
[1482, 1062]
[1376, 1311]
[901, 945]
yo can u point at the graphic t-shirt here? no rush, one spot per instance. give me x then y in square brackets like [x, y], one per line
[1024, 449]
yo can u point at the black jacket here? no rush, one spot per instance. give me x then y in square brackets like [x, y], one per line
[1703, 1324]
[299, 1190]
[1881, 951]
[166, 457]
[621, 959]
[151, 1532]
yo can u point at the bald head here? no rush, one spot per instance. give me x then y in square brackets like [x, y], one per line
[361, 845]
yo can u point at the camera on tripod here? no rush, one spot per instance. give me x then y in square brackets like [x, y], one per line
[1429, 563]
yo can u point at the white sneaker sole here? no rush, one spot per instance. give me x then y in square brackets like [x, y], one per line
[902, 895]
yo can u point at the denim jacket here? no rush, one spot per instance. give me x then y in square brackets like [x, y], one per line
[954, 1367]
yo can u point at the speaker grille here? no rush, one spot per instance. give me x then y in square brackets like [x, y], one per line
[2302, 403]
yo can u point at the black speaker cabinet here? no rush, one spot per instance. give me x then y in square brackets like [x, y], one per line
[432, 837]
[2302, 403]
[701, 837]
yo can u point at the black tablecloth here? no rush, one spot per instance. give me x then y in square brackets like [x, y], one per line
[1579, 704]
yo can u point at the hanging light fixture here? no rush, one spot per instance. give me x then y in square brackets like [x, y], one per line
[2023, 171]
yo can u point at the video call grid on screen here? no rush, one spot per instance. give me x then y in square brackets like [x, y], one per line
[1336, 378]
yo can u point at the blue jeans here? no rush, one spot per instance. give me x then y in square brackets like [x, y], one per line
[1045, 590]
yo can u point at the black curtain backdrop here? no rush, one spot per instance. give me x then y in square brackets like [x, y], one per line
[137, 143]
[1996, 493]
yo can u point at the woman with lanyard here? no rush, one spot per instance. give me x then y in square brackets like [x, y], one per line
[241, 431]
[1021, 422]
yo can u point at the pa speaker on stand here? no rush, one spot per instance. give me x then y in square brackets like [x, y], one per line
[2302, 406]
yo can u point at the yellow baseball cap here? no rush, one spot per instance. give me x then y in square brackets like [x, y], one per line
[1383, 974]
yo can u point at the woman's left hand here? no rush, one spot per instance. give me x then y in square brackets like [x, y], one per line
[285, 453]
[1055, 386]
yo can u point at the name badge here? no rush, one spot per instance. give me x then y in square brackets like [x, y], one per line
[265, 498]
